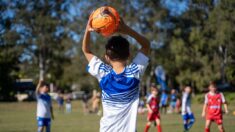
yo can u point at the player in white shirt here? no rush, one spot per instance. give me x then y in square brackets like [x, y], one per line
[187, 113]
[44, 107]
[118, 80]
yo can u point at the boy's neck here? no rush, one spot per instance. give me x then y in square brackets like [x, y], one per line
[43, 92]
[212, 93]
[154, 95]
[118, 66]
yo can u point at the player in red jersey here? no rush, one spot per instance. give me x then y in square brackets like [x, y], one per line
[153, 109]
[213, 108]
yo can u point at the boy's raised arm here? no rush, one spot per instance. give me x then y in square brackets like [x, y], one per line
[38, 86]
[86, 42]
[144, 42]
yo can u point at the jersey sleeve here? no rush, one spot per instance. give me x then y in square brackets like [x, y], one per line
[37, 95]
[50, 101]
[184, 101]
[149, 99]
[142, 61]
[97, 68]
[206, 99]
[222, 97]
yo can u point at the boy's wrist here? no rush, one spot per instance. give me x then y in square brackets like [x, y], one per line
[129, 31]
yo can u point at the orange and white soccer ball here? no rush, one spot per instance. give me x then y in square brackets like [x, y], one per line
[105, 20]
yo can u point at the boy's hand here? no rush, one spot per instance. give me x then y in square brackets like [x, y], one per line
[150, 110]
[88, 26]
[123, 28]
[40, 81]
[226, 111]
[184, 112]
[203, 114]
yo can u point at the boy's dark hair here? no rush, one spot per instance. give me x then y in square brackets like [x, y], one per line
[43, 83]
[117, 48]
[213, 83]
[154, 87]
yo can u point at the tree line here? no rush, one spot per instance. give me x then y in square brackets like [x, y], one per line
[193, 41]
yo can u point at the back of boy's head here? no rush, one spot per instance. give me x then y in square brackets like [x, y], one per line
[213, 84]
[117, 48]
[43, 83]
[154, 87]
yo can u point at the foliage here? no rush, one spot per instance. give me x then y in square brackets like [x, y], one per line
[195, 44]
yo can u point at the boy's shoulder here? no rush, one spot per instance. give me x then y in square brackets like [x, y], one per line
[106, 67]
[217, 93]
[45, 96]
[131, 68]
[149, 98]
[185, 94]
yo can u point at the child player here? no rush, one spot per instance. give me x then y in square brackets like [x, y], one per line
[173, 100]
[119, 81]
[213, 108]
[163, 102]
[153, 109]
[44, 107]
[187, 114]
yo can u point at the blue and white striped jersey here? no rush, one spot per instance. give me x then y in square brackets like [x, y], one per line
[120, 93]
[186, 104]
[43, 105]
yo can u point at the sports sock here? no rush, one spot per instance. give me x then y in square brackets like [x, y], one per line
[191, 121]
[185, 126]
[146, 128]
[207, 129]
[159, 128]
[190, 124]
[185, 121]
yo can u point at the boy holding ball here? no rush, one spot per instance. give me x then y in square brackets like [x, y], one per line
[118, 80]
[44, 107]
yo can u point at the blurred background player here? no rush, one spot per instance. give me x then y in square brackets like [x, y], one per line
[163, 102]
[173, 100]
[68, 103]
[119, 81]
[141, 106]
[85, 99]
[60, 101]
[96, 102]
[178, 104]
[187, 114]
[153, 109]
[44, 107]
[212, 108]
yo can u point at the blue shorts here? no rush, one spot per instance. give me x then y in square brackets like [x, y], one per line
[44, 122]
[188, 116]
[173, 104]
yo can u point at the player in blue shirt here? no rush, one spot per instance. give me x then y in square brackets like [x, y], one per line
[118, 80]
[44, 107]
[173, 100]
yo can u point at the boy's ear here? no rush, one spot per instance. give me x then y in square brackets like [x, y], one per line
[107, 59]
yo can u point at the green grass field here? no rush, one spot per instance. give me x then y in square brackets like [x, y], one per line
[20, 117]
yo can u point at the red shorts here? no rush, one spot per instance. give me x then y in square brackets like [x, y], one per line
[217, 119]
[153, 116]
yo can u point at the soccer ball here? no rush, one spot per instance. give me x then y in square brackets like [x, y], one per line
[105, 20]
